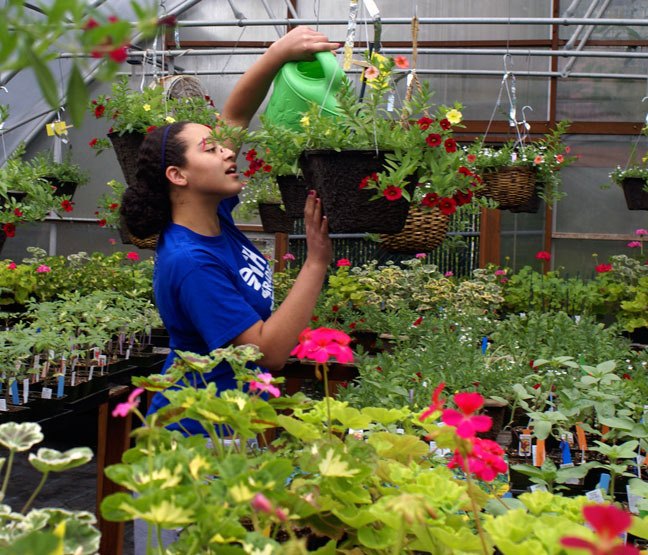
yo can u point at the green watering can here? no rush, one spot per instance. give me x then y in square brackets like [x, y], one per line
[298, 84]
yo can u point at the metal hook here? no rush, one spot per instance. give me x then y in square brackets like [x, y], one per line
[508, 57]
[5, 89]
[524, 119]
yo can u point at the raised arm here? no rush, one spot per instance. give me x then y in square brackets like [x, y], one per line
[250, 90]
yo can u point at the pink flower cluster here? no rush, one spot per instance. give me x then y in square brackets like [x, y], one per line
[263, 382]
[483, 458]
[321, 344]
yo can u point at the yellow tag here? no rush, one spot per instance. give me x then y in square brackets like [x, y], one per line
[57, 128]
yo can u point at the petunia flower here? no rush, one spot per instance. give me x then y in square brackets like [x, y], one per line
[119, 55]
[433, 139]
[466, 422]
[560, 158]
[538, 160]
[263, 382]
[393, 193]
[371, 73]
[123, 409]
[608, 522]
[169, 119]
[9, 230]
[401, 62]
[424, 123]
[321, 344]
[448, 274]
[450, 145]
[67, 205]
[11, 266]
[454, 116]
[18, 213]
[448, 206]
[421, 255]
[500, 272]
[146, 107]
[437, 402]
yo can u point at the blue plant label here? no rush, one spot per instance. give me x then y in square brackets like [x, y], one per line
[604, 482]
[15, 398]
[565, 452]
[59, 389]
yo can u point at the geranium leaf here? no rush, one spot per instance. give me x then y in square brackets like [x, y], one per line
[51, 460]
[20, 437]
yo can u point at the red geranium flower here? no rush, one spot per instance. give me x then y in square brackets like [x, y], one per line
[393, 193]
[424, 123]
[466, 422]
[602, 268]
[450, 145]
[433, 139]
[543, 255]
[448, 206]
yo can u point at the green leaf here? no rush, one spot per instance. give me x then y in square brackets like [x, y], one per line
[619, 423]
[333, 465]
[541, 429]
[36, 542]
[20, 437]
[77, 96]
[45, 79]
[376, 538]
[51, 460]
[302, 430]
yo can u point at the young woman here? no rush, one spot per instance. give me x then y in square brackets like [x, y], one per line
[212, 287]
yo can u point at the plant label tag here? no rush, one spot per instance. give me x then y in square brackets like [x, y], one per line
[538, 487]
[633, 501]
[91, 374]
[358, 434]
[524, 450]
[595, 495]
[25, 390]
[3, 405]
[45, 369]
[36, 362]
[96, 351]
[569, 438]
[102, 361]
[127, 353]
[73, 379]
[46, 393]
[440, 452]
[400, 431]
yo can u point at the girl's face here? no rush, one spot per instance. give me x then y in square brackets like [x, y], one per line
[210, 168]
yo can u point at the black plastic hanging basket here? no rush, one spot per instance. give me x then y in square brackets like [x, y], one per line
[126, 149]
[336, 177]
[636, 197]
[293, 191]
[274, 219]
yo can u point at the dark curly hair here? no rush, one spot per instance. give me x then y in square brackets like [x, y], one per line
[146, 206]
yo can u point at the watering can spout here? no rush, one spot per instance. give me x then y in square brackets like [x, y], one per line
[299, 84]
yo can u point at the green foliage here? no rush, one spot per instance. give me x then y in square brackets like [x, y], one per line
[109, 203]
[65, 171]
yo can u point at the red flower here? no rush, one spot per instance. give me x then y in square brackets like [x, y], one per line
[537, 386]
[471, 158]
[450, 145]
[424, 123]
[430, 200]
[151, 128]
[602, 268]
[626, 376]
[365, 180]
[102, 223]
[433, 139]
[9, 230]
[119, 55]
[543, 255]
[463, 170]
[448, 206]
[314, 318]
[113, 19]
[393, 193]
[608, 522]
[335, 308]
[416, 323]
[437, 403]
[90, 24]
[466, 422]
[267, 168]
[343, 262]
[18, 213]
[251, 155]
[321, 344]
[113, 206]
[99, 110]
[462, 198]
[352, 325]
[445, 124]
[484, 461]
[401, 62]
[93, 142]
[67, 205]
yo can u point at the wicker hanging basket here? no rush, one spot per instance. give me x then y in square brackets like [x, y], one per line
[126, 149]
[127, 238]
[274, 219]
[425, 229]
[510, 187]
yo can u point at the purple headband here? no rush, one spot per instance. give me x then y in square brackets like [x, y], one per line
[164, 140]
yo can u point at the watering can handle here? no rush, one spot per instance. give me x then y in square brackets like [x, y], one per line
[330, 67]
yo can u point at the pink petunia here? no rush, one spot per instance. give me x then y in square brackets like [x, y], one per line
[43, 269]
[263, 382]
[448, 274]
[466, 422]
[321, 344]
[123, 409]
[500, 272]
[560, 158]
[132, 256]
[371, 73]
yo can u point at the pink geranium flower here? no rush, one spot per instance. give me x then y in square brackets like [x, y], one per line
[261, 503]
[465, 420]
[484, 460]
[641, 231]
[437, 403]
[263, 382]
[288, 256]
[421, 255]
[11, 266]
[132, 256]
[343, 262]
[321, 344]
[43, 269]
[608, 522]
[634, 244]
[543, 255]
[123, 409]
[500, 272]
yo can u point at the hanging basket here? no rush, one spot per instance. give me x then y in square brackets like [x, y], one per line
[62, 187]
[636, 197]
[425, 229]
[532, 206]
[336, 177]
[294, 192]
[274, 219]
[510, 187]
[126, 149]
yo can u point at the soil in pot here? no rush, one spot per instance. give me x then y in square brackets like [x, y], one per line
[336, 177]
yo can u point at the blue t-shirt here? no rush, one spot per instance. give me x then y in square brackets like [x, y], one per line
[208, 291]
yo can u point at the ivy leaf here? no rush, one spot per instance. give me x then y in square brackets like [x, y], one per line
[20, 437]
[51, 460]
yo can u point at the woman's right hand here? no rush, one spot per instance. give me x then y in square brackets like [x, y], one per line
[318, 242]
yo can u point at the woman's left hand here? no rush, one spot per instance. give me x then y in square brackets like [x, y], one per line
[301, 43]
